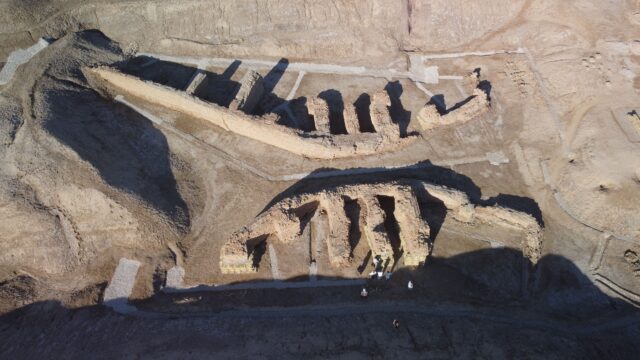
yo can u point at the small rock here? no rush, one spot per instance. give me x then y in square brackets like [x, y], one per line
[635, 47]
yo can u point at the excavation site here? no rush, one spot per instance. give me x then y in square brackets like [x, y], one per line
[348, 179]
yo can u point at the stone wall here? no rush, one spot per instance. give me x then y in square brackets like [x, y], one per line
[262, 128]
[282, 223]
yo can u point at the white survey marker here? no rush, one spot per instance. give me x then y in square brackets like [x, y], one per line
[19, 57]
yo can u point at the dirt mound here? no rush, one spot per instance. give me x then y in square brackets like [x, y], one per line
[84, 180]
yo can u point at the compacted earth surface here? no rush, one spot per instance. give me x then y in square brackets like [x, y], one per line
[345, 179]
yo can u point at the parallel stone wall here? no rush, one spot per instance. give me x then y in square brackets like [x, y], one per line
[262, 128]
[281, 222]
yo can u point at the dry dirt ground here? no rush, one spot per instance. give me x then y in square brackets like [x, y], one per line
[86, 180]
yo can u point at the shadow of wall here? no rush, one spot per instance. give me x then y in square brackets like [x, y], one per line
[598, 332]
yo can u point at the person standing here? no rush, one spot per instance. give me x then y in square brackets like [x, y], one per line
[364, 293]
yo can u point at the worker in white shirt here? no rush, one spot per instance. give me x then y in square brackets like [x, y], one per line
[364, 293]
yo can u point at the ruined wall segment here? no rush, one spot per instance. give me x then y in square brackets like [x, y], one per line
[266, 129]
[250, 93]
[430, 118]
[531, 244]
[374, 229]
[351, 123]
[197, 82]
[282, 223]
[413, 229]
[456, 202]
[381, 117]
[319, 110]
[338, 245]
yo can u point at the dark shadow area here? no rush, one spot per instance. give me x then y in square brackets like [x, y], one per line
[498, 271]
[125, 148]
[303, 119]
[485, 278]
[399, 114]
[365, 262]
[162, 72]
[336, 110]
[520, 203]
[483, 85]
[274, 75]
[587, 327]
[441, 104]
[258, 249]
[305, 213]
[432, 210]
[458, 105]
[231, 69]
[363, 105]
[388, 205]
[352, 209]
[270, 102]
[423, 170]
[219, 89]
